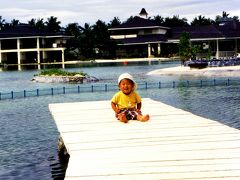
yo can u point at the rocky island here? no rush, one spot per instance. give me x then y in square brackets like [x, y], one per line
[60, 76]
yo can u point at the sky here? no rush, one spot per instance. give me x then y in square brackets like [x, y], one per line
[89, 11]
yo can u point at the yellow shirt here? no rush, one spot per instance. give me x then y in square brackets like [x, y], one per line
[124, 101]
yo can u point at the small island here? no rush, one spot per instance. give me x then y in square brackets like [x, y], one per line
[60, 76]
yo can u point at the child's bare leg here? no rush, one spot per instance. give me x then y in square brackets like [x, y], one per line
[143, 118]
[122, 117]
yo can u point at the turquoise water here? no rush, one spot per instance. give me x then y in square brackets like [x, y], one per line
[28, 135]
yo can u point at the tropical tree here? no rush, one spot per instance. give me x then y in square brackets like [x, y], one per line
[175, 21]
[101, 37]
[52, 24]
[14, 22]
[87, 41]
[224, 17]
[158, 20]
[115, 22]
[73, 44]
[2, 23]
[32, 22]
[73, 29]
[225, 14]
[129, 19]
[184, 47]
[39, 23]
[236, 18]
[201, 21]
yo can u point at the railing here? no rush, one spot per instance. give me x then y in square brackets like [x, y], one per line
[110, 87]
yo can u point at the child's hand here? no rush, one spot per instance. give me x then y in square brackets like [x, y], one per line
[122, 118]
[138, 111]
[117, 112]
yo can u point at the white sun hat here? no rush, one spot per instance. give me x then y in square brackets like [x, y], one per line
[127, 76]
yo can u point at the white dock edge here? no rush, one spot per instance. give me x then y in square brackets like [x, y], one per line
[173, 145]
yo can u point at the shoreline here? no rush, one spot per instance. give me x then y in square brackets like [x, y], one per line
[209, 71]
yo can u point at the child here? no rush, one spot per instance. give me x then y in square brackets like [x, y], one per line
[127, 103]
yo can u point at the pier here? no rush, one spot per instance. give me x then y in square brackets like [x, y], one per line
[174, 144]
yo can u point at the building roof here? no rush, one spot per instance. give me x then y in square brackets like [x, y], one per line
[230, 29]
[195, 32]
[226, 30]
[25, 30]
[137, 23]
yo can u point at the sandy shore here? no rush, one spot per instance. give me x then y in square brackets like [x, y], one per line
[210, 71]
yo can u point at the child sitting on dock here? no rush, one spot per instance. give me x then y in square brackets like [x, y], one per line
[127, 103]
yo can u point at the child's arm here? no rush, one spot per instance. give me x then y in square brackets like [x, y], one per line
[115, 109]
[139, 106]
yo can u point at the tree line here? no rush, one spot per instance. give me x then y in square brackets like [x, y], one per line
[93, 41]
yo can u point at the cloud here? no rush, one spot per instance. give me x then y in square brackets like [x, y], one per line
[90, 11]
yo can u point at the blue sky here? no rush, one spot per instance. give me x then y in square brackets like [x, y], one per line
[89, 11]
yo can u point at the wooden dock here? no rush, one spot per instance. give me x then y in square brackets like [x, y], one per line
[173, 145]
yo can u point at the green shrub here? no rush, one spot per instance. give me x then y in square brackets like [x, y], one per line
[59, 72]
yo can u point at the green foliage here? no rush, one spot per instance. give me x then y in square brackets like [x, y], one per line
[175, 21]
[90, 42]
[59, 72]
[115, 22]
[201, 21]
[194, 50]
[53, 25]
[158, 20]
[184, 47]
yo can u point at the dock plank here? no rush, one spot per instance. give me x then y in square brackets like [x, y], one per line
[174, 144]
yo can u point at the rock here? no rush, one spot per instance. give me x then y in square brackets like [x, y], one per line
[65, 79]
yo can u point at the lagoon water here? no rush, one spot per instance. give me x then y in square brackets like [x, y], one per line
[28, 134]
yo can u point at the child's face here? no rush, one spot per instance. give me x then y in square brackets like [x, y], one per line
[126, 86]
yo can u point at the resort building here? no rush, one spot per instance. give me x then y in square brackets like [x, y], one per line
[26, 45]
[139, 36]
[143, 37]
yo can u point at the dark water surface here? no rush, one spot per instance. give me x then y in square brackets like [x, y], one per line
[28, 134]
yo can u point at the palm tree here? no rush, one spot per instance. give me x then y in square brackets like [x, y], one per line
[115, 22]
[14, 23]
[225, 14]
[32, 22]
[73, 45]
[224, 17]
[87, 41]
[158, 20]
[73, 29]
[102, 40]
[2, 23]
[39, 24]
[53, 25]
[175, 21]
[201, 20]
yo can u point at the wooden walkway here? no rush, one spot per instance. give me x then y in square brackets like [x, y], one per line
[173, 145]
